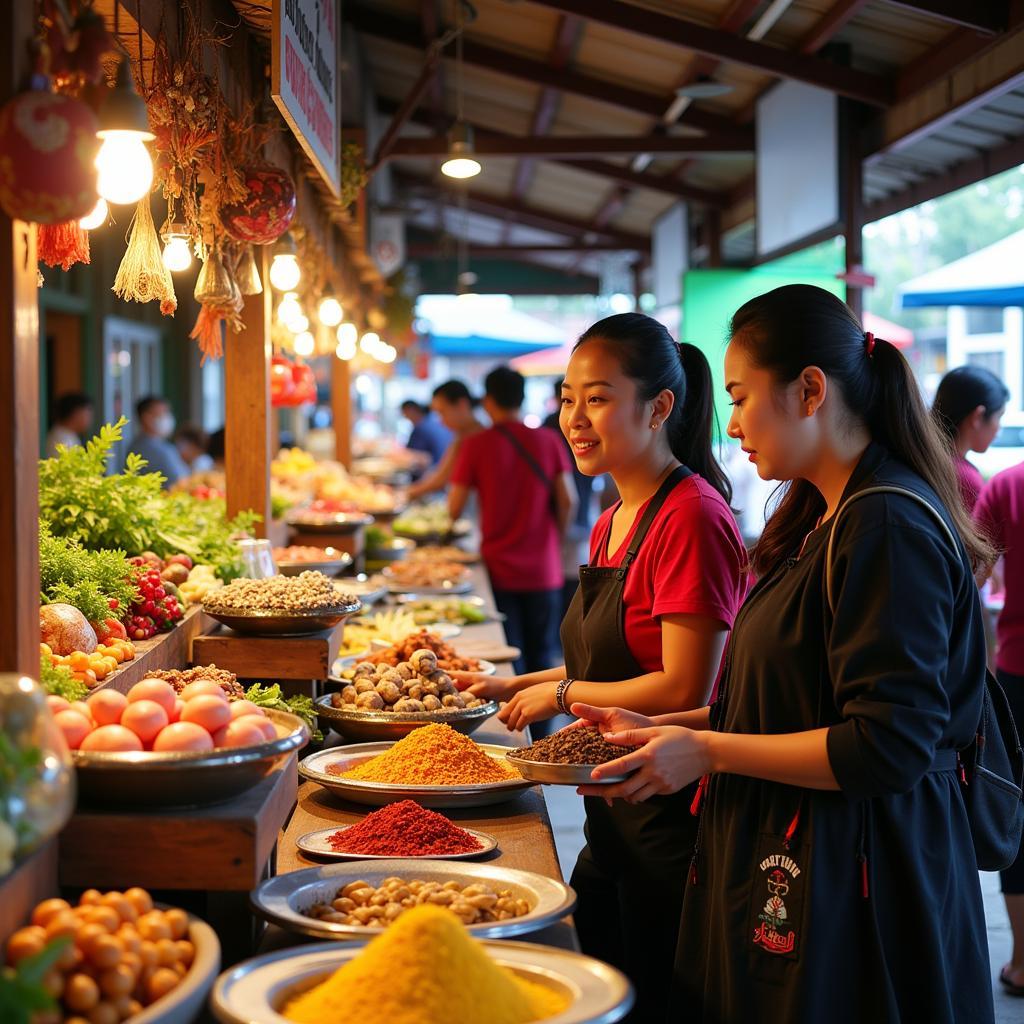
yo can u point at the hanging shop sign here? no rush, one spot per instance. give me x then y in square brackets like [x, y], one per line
[387, 242]
[304, 79]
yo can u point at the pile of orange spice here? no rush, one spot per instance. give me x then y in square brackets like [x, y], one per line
[434, 755]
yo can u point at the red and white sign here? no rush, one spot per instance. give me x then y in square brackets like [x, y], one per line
[304, 79]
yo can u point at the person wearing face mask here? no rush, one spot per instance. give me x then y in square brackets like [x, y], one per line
[648, 624]
[154, 424]
[968, 408]
[835, 876]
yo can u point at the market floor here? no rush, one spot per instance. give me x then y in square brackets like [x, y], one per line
[566, 810]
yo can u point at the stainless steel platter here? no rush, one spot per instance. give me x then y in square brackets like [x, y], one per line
[285, 899]
[336, 562]
[254, 991]
[395, 586]
[369, 589]
[368, 726]
[281, 623]
[377, 794]
[562, 774]
[316, 843]
[186, 778]
[329, 522]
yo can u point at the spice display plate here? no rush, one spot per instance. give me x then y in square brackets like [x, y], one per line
[336, 562]
[183, 778]
[283, 900]
[552, 774]
[326, 522]
[276, 623]
[448, 587]
[316, 843]
[377, 794]
[254, 991]
[369, 589]
[367, 726]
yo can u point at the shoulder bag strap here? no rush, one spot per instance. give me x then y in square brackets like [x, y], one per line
[525, 454]
[880, 489]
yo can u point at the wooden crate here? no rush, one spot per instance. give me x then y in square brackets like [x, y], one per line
[269, 657]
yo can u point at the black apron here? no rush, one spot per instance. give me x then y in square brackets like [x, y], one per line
[631, 874]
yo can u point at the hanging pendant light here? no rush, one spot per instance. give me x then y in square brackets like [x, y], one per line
[304, 344]
[285, 273]
[96, 218]
[461, 163]
[177, 255]
[124, 164]
[330, 311]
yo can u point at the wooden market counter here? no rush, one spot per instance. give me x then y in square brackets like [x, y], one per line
[521, 826]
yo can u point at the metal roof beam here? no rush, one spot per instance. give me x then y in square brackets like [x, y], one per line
[990, 17]
[712, 42]
[486, 144]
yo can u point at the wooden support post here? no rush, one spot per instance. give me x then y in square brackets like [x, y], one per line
[247, 407]
[341, 409]
[19, 397]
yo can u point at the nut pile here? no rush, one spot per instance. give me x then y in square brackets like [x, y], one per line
[414, 685]
[575, 745]
[359, 903]
[307, 592]
[180, 678]
[444, 653]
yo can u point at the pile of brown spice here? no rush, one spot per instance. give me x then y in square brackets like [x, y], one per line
[180, 678]
[575, 745]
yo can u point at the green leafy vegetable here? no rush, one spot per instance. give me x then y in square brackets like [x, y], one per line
[21, 988]
[56, 679]
[271, 697]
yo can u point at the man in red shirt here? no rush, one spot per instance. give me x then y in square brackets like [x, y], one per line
[527, 498]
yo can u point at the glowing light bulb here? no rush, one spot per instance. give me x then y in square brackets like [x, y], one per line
[330, 311]
[96, 218]
[461, 167]
[369, 342]
[284, 272]
[177, 254]
[298, 324]
[125, 167]
[346, 349]
[304, 344]
[289, 308]
[387, 353]
[348, 334]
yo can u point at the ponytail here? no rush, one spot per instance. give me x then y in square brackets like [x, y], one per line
[796, 326]
[656, 363]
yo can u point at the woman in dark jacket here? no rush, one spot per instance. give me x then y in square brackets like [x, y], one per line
[835, 878]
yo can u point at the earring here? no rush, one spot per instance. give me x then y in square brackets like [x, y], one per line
[654, 425]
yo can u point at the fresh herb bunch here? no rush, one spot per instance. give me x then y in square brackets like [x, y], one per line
[200, 528]
[23, 995]
[56, 679]
[271, 697]
[92, 581]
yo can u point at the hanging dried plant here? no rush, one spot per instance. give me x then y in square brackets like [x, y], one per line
[142, 276]
[63, 245]
[353, 173]
[220, 309]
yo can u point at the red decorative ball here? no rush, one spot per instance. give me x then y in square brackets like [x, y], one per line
[282, 382]
[268, 209]
[305, 384]
[48, 149]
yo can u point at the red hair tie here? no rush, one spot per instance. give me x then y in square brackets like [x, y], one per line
[869, 342]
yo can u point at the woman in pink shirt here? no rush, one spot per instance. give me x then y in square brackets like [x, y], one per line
[1000, 513]
[968, 407]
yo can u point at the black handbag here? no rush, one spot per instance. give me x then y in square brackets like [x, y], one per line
[992, 767]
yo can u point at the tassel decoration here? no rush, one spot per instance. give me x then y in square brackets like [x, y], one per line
[63, 245]
[221, 305]
[142, 276]
[209, 332]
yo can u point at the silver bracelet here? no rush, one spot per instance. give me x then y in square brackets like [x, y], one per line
[560, 692]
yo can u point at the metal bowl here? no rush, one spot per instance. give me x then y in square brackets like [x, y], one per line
[377, 794]
[255, 991]
[316, 844]
[329, 522]
[286, 899]
[368, 726]
[282, 623]
[552, 774]
[186, 778]
[334, 564]
[369, 589]
[184, 1002]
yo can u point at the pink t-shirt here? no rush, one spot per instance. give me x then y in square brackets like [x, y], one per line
[1000, 512]
[691, 562]
[969, 477]
[520, 544]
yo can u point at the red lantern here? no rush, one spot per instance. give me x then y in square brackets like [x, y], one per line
[268, 209]
[282, 382]
[305, 384]
[48, 151]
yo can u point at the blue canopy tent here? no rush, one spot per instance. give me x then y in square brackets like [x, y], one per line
[482, 325]
[993, 276]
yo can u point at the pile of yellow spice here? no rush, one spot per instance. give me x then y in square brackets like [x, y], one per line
[424, 969]
[435, 755]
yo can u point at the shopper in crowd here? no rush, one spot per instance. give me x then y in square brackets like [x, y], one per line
[968, 407]
[215, 448]
[648, 624]
[835, 876]
[575, 542]
[192, 444]
[72, 420]
[154, 426]
[523, 483]
[428, 433]
[454, 406]
[1000, 514]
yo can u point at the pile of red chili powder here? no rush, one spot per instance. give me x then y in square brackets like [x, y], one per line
[404, 830]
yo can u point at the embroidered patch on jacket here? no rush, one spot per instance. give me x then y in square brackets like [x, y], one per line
[777, 899]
